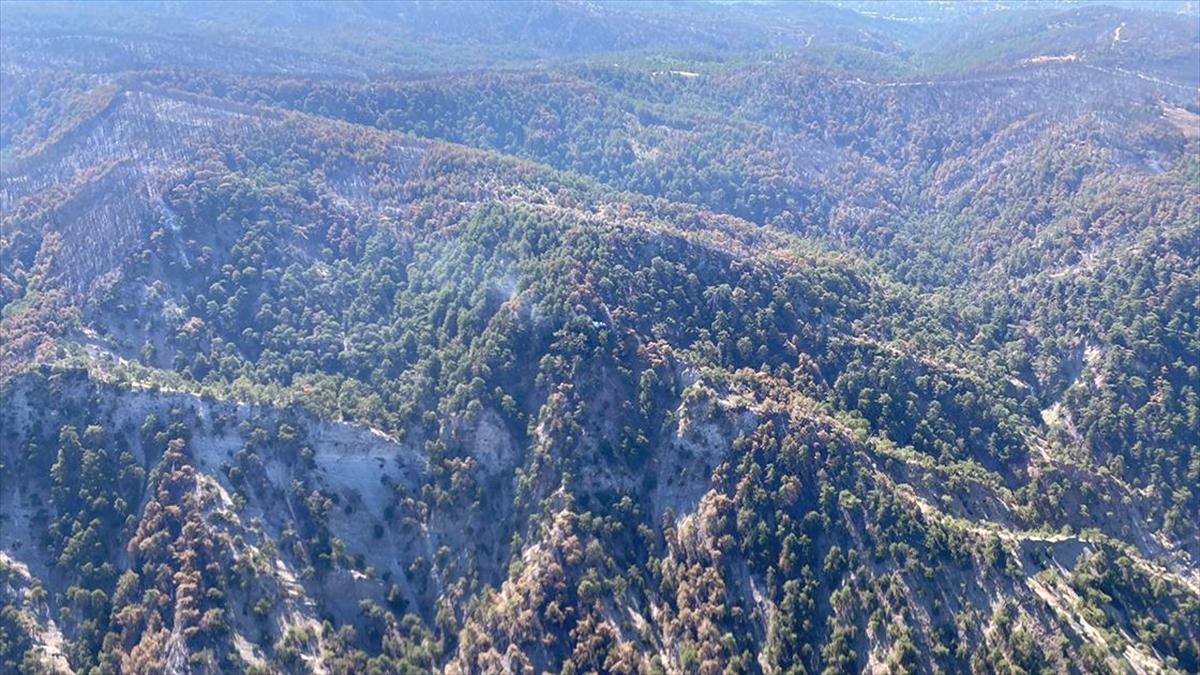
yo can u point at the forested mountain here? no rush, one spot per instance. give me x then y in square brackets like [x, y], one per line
[599, 337]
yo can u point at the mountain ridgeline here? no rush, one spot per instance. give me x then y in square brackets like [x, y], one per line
[562, 337]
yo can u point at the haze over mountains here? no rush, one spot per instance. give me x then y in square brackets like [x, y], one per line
[599, 337]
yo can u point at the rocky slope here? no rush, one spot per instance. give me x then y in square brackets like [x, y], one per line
[600, 368]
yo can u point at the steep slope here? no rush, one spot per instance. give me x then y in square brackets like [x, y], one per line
[765, 368]
[1028, 215]
[691, 466]
[879, 165]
